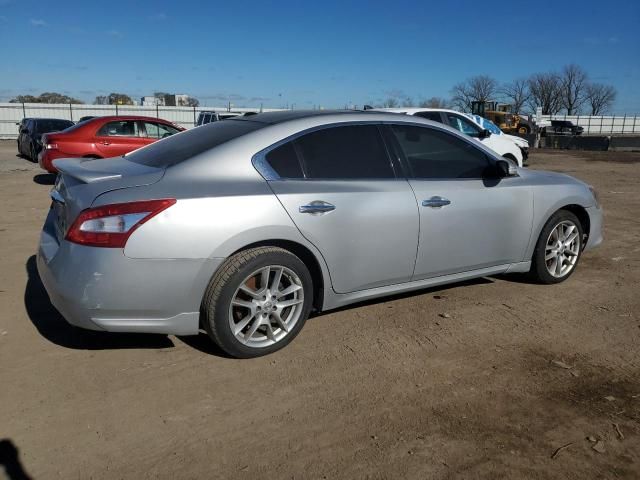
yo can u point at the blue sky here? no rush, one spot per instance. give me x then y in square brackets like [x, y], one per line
[328, 53]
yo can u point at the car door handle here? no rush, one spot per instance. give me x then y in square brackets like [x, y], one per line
[105, 142]
[436, 202]
[316, 207]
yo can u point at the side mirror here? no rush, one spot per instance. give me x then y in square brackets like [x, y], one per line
[505, 168]
[484, 133]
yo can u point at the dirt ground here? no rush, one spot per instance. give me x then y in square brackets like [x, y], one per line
[485, 379]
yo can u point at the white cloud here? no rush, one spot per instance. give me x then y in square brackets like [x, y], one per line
[115, 33]
[38, 22]
[160, 16]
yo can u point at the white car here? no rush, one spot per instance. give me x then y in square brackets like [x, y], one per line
[487, 124]
[498, 143]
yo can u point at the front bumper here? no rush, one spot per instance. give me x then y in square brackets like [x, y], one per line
[103, 289]
[596, 235]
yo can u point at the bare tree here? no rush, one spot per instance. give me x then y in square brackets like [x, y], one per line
[544, 89]
[435, 102]
[390, 102]
[600, 97]
[101, 100]
[192, 102]
[516, 93]
[408, 102]
[573, 81]
[480, 88]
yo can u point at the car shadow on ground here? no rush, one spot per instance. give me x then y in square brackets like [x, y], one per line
[52, 326]
[10, 460]
[204, 344]
[45, 178]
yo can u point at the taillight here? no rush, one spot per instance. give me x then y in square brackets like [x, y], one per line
[51, 146]
[111, 225]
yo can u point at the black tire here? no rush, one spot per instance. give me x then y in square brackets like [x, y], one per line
[223, 285]
[524, 129]
[32, 154]
[539, 271]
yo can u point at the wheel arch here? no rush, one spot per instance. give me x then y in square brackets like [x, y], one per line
[572, 206]
[307, 257]
[580, 212]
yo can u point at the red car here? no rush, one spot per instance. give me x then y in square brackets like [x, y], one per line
[103, 137]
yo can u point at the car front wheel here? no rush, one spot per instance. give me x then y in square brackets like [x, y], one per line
[558, 248]
[257, 301]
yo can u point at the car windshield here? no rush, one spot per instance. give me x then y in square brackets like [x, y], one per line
[46, 126]
[486, 124]
[182, 146]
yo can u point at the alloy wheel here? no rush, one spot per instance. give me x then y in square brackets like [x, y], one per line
[266, 306]
[562, 249]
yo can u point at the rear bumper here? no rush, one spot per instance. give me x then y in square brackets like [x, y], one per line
[102, 289]
[46, 158]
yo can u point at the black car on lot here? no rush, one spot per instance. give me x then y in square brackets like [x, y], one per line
[563, 127]
[31, 131]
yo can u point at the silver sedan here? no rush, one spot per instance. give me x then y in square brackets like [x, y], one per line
[241, 228]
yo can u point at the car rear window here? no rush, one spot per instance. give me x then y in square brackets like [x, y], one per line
[185, 145]
[46, 126]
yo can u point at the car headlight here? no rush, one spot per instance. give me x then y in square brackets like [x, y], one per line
[595, 196]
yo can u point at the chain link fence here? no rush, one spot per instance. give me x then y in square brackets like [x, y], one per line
[13, 113]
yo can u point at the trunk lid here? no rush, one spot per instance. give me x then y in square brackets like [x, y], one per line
[80, 181]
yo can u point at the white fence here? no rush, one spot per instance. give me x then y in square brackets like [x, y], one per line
[12, 113]
[602, 125]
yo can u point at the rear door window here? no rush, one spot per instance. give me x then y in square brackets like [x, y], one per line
[345, 152]
[121, 128]
[435, 116]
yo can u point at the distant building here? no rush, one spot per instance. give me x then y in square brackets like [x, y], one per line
[168, 100]
[181, 100]
[151, 101]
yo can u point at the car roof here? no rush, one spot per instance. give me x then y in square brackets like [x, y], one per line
[274, 118]
[130, 117]
[414, 110]
[37, 119]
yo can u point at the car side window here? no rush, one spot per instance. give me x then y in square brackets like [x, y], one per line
[433, 154]
[159, 130]
[284, 161]
[463, 125]
[121, 128]
[435, 116]
[345, 152]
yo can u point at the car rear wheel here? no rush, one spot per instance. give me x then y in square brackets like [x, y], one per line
[257, 302]
[558, 248]
[32, 154]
